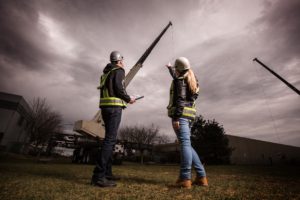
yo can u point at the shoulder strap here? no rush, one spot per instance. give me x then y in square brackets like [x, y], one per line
[104, 77]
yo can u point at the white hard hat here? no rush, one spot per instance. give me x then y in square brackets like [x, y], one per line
[182, 64]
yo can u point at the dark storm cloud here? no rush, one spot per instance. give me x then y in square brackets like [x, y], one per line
[282, 22]
[227, 73]
[57, 49]
[115, 22]
[20, 39]
[248, 100]
[98, 27]
[84, 72]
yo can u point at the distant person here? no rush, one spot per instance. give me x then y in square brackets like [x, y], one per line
[113, 98]
[183, 94]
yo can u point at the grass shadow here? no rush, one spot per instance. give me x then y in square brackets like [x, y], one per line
[141, 180]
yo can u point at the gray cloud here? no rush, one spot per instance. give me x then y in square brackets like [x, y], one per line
[281, 21]
[57, 50]
[21, 41]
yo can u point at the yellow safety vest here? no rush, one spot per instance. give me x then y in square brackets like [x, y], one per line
[105, 99]
[189, 112]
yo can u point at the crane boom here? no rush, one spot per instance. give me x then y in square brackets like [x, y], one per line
[277, 75]
[140, 62]
[94, 127]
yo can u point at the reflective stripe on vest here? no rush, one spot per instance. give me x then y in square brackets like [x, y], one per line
[106, 100]
[112, 101]
[188, 111]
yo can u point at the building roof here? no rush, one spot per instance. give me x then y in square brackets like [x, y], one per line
[14, 102]
[231, 138]
[256, 140]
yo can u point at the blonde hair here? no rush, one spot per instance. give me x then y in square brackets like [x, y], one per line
[192, 81]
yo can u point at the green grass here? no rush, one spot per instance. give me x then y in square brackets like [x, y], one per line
[24, 178]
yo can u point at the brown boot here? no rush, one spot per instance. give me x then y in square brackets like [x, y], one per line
[201, 181]
[184, 183]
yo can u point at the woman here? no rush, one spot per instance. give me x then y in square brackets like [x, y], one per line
[183, 93]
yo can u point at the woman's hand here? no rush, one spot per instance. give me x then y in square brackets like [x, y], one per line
[168, 65]
[176, 125]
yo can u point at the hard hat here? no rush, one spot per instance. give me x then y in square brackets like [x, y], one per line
[115, 56]
[182, 64]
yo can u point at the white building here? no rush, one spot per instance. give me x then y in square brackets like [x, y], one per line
[13, 121]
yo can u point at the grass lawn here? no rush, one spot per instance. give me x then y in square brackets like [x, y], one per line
[24, 178]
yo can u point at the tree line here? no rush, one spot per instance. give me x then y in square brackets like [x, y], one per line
[208, 136]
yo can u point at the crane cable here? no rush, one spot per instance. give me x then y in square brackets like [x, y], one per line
[172, 44]
[274, 124]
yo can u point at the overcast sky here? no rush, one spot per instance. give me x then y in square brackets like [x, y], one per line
[57, 50]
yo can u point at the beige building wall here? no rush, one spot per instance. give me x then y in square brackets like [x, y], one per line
[13, 120]
[250, 151]
[246, 151]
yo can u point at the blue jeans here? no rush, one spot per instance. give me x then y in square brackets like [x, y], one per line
[112, 118]
[188, 155]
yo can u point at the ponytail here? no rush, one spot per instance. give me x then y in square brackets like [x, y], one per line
[192, 81]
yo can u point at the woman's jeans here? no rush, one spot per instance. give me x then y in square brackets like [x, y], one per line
[188, 155]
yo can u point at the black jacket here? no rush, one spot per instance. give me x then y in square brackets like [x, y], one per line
[182, 95]
[115, 82]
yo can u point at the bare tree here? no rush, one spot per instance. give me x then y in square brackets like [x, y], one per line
[43, 123]
[162, 139]
[141, 135]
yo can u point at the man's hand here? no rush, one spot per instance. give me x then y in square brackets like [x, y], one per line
[176, 125]
[132, 100]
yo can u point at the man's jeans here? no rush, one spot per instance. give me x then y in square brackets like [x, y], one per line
[188, 155]
[112, 118]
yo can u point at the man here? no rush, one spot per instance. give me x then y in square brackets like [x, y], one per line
[113, 98]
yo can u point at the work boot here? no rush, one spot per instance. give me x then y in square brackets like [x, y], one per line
[200, 181]
[184, 183]
[113, 178]
[103, 182]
